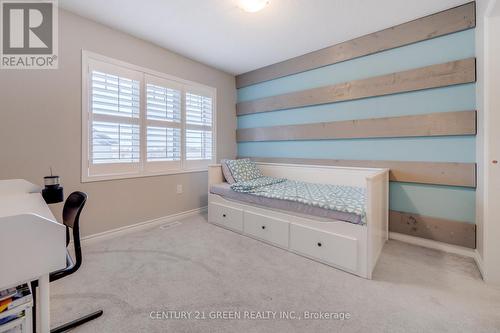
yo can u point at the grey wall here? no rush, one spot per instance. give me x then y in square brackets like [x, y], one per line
[40, 126]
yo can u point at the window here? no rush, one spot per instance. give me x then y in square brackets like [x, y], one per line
[137, 122]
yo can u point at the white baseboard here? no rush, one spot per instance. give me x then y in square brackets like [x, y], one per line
[464, 251]
[142, 225]
[479, 263]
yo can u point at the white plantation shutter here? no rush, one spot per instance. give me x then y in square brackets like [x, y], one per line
[163, 103]
[138, 122]
[163, 122]
[198, 145]
[198, 110]
[115, 95]
[199, 129]
[164, 144]
[113, 142]
[114, 120]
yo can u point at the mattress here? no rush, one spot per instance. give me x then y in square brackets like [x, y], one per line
[224, 190]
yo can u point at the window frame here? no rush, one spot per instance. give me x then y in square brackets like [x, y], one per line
[110, 171]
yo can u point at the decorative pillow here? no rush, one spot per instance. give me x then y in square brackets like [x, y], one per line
[226, 172]
[243, 170]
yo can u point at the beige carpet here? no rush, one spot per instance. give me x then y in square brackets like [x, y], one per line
[195, 266]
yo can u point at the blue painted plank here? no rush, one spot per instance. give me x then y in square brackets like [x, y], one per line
[447, 202]
[455, 98]
[431, 149]
[447, 48]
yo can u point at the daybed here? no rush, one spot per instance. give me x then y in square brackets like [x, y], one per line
[338, 239]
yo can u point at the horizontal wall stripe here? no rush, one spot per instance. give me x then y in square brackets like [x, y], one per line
[431, 149]
[445, 202]
[448, 48]
[460, 97]
[437, 173]
[441, 75]
[442, 23]
[441, 230]
[434, 124]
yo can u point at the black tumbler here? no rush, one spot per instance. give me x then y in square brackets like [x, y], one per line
[53, 192]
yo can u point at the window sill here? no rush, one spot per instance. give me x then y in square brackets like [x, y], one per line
[103, 178]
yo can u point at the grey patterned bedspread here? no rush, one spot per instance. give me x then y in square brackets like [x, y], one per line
[340, 198]
[250, 186]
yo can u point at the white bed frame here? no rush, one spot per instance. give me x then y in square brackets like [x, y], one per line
[347, 246]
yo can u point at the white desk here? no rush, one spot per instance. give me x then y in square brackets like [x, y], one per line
[32, 242]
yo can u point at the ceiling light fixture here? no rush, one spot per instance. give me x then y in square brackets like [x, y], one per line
[252, 6]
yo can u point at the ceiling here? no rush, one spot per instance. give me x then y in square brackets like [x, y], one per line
[220, 34]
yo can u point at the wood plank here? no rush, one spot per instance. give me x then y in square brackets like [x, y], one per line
[449, 21]
[436, 173]
[441, 75]
[442, 230]
[433, 124]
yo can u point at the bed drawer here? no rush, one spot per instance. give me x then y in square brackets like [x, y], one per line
[328, 247]
[228, 217]
[266, 228]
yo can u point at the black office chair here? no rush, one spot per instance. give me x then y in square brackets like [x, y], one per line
[71, 219]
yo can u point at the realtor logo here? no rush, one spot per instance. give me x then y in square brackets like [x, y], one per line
[28, 34]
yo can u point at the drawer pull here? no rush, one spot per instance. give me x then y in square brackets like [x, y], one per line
[223, 215]
[319, 244]
[263, 227]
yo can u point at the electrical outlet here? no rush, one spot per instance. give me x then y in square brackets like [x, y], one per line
[179, 188]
